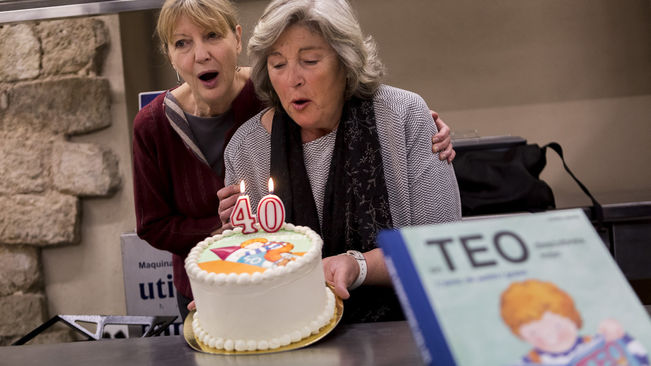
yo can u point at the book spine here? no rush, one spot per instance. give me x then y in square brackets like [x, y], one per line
[415, 303]
[409, 313]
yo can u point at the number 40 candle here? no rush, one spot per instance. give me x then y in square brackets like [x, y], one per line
[271, 212]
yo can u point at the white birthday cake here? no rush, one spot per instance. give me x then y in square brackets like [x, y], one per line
[259, 291]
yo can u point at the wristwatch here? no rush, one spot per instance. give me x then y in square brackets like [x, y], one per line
[361, 261]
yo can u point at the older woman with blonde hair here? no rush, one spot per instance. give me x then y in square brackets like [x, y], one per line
[349, 155]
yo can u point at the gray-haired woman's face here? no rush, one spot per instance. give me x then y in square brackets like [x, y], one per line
[308, 77]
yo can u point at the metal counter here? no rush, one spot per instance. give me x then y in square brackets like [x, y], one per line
[389, 343]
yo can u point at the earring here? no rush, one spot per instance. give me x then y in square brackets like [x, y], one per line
[237, 68]
[178, 78]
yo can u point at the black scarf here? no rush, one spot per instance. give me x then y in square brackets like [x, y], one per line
[356, 204]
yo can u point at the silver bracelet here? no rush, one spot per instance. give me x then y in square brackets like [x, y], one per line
[361, 261]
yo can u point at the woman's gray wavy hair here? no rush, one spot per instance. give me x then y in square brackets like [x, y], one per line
[336, 22]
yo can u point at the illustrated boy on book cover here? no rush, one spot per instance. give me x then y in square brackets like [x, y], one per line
[544, 316]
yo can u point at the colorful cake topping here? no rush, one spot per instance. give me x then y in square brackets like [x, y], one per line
[234, 253]
[252, 255]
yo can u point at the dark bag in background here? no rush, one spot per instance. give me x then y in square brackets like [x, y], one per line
[506, 180]
[502, 181]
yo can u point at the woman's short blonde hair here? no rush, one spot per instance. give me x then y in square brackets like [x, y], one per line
[215, 15]
[336, 22]
[527, 301]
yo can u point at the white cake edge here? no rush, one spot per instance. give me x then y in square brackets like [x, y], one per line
[288, 338]
[196, 273]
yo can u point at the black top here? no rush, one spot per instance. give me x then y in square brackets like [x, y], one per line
[210, 135]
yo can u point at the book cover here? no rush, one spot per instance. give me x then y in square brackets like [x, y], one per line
[531, 289]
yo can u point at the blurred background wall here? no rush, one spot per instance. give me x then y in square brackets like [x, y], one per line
[577, 72]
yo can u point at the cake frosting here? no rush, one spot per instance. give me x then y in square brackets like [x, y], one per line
[259, 291]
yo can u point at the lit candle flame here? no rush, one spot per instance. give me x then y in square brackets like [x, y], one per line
[271, 185]
[242, 187]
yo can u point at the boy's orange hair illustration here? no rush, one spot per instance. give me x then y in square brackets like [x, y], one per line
[527, 301]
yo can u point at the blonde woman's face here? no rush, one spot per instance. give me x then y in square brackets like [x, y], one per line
[308, 77]
[205, 60]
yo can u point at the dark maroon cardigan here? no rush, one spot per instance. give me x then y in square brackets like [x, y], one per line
[175, 192]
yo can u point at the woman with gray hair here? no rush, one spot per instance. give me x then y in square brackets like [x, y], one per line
[348, 155]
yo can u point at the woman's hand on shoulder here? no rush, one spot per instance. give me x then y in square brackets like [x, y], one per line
[441, 141]
[227, 197]
[340, 271]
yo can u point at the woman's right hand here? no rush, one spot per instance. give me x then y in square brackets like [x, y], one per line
[340, 271]
[227, 198]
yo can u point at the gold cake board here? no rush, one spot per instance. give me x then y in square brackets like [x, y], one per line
[197, 345]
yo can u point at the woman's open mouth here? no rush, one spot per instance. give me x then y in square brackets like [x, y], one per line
[208, 78]
[300, 104]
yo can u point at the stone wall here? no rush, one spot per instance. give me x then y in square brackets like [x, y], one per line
[51, 88]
